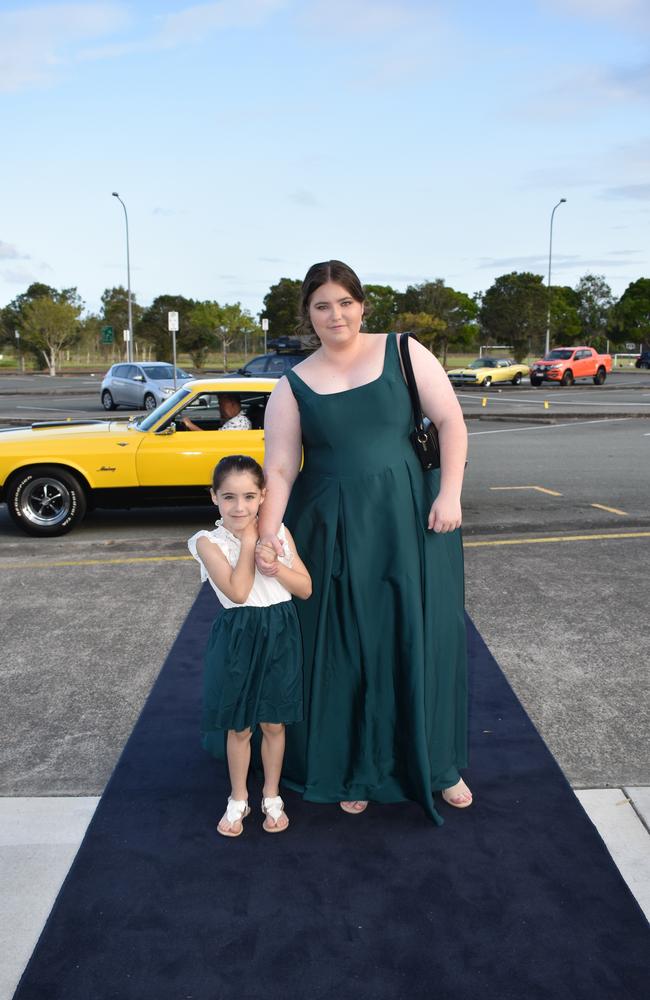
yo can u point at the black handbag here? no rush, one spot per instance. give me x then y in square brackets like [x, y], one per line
[424, 439]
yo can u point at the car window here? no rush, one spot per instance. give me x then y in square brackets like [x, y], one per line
[256, 367]
[278, 364]
[120, 371]
[159, 372]
[131, 371]
[204, 410]
[503, 364]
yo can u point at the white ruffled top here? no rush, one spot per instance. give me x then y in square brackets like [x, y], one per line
[266, 589]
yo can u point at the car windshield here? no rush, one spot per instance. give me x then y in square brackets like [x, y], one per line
[482, 363]
[160, 372]
[558, 355]
[166, 407]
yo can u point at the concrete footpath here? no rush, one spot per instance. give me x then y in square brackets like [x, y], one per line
[39, 838]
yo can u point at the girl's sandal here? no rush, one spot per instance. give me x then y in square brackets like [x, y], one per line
[273, 806]
[461, 798]
[236, 812]
[349, 807]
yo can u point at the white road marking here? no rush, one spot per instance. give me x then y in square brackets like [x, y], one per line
[550, 427]
[563, 401]
[45, 409]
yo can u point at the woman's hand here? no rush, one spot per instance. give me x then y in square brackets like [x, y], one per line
[267, 550]
[445, 514]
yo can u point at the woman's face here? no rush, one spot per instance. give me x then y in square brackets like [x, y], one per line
[335, 315]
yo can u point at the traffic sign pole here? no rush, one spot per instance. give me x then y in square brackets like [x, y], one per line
[265, 327]
[172, 326]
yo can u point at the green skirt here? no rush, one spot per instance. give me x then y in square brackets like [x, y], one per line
[253, 672]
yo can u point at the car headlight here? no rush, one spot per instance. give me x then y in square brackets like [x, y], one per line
[166, 391]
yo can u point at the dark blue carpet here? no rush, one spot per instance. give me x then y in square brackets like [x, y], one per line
[513, 898]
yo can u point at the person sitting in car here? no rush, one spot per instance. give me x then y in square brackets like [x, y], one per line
[230, 408]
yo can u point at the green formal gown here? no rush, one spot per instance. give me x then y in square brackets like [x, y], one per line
[384, 630]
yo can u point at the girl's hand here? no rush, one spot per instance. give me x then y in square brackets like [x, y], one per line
[445, 514]
[267, 547]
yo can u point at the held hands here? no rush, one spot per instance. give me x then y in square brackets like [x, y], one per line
[267, 551]
[445, 514]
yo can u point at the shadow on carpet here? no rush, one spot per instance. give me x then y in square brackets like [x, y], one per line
[513, 898]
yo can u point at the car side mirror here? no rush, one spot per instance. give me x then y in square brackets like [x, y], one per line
[138, 378]
[169, 429]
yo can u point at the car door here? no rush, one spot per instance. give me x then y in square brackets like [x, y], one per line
[582, 363]
[188, 458]
[119, 384]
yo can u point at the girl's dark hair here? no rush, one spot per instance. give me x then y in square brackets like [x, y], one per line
[237, 463]
[317, 275]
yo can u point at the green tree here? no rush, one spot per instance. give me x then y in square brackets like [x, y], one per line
[236, 325]
[152, 325]
[202, 333]
[594, 304]
[566, 325]
[12, 319]
[456, 311]
[381, 308]
[428, 329]
[282, 307]
[630, 318]
[513, 311]
[115, 311]
[50, 325]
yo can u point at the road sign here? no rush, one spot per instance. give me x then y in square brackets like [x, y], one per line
[107, 335]
[265, 324]
[172, 322]
[127, 335]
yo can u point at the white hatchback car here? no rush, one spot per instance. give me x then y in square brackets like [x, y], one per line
[140, 386]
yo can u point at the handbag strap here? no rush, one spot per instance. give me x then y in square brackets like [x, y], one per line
[405, 355]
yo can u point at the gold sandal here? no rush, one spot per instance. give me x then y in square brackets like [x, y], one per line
[273, 806]
[236, 812]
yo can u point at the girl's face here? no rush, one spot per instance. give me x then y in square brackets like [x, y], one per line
[238, 499]
[335, 315]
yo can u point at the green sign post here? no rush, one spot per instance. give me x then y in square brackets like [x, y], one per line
[107, 335]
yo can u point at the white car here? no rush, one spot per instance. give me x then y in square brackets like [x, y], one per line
[140, 386]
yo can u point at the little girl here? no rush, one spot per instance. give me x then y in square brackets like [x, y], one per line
[253, 663]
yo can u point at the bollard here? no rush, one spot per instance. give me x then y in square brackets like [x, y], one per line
[546, 404]
[484, 401]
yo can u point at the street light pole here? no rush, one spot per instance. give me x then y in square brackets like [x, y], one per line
[548, 306]
[129, 345]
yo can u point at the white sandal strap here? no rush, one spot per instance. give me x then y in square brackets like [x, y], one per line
[236, 810]
[273, 806]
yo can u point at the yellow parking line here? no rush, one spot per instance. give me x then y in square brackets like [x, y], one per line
[468, 545]
[610, 510]
[94, 562]
[556, 538]
[540, 489]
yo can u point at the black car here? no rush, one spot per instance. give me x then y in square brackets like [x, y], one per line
[287, 353]
[643, 360]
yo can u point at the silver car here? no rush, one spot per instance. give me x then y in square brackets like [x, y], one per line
[141, 386]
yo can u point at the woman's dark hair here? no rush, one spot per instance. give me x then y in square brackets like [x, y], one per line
[317, 275]
[237, 463]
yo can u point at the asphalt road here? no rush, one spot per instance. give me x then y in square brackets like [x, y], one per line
[557, 532]
[24, 399]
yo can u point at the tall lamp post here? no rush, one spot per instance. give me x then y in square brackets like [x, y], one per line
[548, 307]
[129, 343]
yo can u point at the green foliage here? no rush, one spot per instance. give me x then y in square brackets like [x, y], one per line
[630, 319]
[152, 325]
[426, 328]
[50, 324]
[282, 308]
[513, 311]
[455, 311]
[566, 325]
[115, 311]
[380, 308]
[594, 305]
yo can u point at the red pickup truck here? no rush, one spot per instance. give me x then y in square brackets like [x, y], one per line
[566, 364]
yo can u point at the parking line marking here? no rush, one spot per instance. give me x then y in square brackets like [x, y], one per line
[558, 538]
[467, 545]
[540, 489]
[610, 510]
[550, 427]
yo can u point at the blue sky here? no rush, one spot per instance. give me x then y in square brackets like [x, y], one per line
[250, 138]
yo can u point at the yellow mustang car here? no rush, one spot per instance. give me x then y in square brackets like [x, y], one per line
[485, 371]
[52, 472]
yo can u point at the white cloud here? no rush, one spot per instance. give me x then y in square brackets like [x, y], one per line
[636, 192]
[622, 11]
[37, 41]
[343, 17]
[9, 252]
[301, 196]
[193, 23]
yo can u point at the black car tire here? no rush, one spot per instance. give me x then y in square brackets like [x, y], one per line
[567, 378]
[487, 381]
[45, 500]
[517, 379]
[536, 381]
[600, 376]
[107, 400]
[150, 402]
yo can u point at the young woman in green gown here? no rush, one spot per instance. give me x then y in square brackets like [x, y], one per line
[383, 632]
